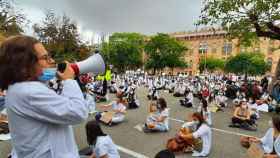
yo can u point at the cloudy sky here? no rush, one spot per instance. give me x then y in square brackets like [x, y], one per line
[108, 16]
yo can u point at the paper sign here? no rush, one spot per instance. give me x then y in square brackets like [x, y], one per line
[5, 137]
[107, 117]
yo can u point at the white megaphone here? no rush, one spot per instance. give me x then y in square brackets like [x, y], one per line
[94, 64]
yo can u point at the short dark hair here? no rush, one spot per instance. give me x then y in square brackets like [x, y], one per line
[17, 60]
[93, 130]
[276, 122]
[165, 154]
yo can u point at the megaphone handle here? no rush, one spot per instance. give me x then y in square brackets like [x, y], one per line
[61, 67]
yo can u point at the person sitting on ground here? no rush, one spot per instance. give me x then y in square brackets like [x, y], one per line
[118, 108]
[132, 100]
[270, 142]
[242, 117]
[113, 87]
[153, 114]
[188, 100]
[221, 101]
[103, 145]
[203, 132]
[153, 93]
[161, 124]
[262, 105]
[171, 86]
[179, 90]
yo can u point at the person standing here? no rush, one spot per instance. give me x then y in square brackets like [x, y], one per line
[39, 119]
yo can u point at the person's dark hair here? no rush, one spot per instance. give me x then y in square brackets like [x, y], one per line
[17, 60]
[165, 154]
[162, 103]
[276, 122]
[93, 130]
[204, 106]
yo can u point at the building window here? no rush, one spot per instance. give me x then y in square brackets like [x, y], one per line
[227, 48]
[203, 46]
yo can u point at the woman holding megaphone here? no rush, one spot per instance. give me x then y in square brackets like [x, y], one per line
[39, 119]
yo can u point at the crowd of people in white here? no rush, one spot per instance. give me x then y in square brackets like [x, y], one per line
[46, 102]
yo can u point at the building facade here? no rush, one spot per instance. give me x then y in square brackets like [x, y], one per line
[208, 43]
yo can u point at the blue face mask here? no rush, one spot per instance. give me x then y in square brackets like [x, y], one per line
[48, 74]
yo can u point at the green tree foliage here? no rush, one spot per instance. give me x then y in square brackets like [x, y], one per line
[164, 51]
[211, 64]
[124, 50]
[60, 36]
[245, 19]
[247, 63]
[11, 20]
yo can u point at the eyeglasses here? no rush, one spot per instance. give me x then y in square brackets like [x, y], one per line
[47, 57]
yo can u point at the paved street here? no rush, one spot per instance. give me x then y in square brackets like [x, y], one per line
[225, 139]
[133, 143]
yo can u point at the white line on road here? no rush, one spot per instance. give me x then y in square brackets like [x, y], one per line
[130, 152]
[216, 129]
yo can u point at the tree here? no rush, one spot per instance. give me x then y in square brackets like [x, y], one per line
[60, 36]
[247, 63]
[124, 50]
[11, 21]
[164, 51]
[211, 64]
[245, 19]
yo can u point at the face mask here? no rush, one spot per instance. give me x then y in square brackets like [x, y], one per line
[195, 122]
[47, 74]
[158, 106]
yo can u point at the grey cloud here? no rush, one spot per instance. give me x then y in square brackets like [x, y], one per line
[144, 16]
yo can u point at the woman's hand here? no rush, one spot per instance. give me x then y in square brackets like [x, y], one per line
[254, 139]
[105, 106]
[67, 74]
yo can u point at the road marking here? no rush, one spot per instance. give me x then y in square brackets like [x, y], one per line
[130, 152]
[215, 129]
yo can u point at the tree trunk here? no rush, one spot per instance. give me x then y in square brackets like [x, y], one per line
[277, 72]
[275, 78]
[246, 77]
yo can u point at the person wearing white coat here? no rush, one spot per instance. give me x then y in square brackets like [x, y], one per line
[40, 120]
[270, 142]
[203, 132]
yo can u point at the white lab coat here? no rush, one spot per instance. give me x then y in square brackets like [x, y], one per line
[268, 143]
[40, 120]
[204, 132]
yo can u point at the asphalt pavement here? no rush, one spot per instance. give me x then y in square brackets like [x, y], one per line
[134, 143]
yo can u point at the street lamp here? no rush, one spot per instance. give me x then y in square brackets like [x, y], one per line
[203, 48]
